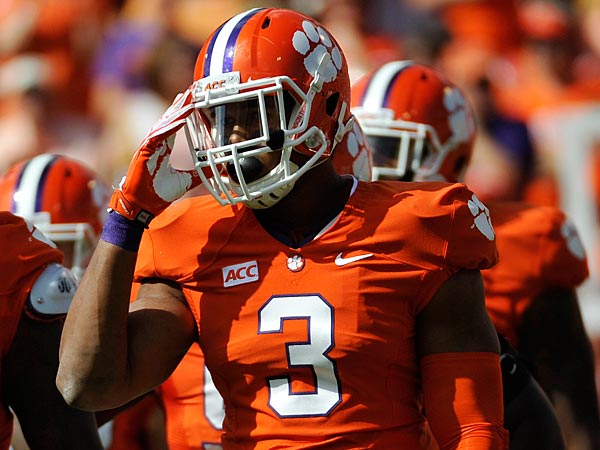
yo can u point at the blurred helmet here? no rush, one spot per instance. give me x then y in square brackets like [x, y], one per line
[419, 125]
[266, 81]
[63, 198]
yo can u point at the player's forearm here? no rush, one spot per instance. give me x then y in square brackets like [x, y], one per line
[94, 349]
[572, 388]
[579, 431]
[553, 335]
[462, 395]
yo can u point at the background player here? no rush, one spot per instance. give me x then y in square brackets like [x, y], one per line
[66, 200]
[421, 127]
[36, 293]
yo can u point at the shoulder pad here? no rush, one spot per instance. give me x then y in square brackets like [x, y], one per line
[53, 291]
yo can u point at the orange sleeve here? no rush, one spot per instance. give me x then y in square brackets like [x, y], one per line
[463, 400]
[563, 257]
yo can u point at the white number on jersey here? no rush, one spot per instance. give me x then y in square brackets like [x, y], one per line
[319, 315]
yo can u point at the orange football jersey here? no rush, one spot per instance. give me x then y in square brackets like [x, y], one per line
[194, 409]
[25, 252]
[539, 248]
[315, 346]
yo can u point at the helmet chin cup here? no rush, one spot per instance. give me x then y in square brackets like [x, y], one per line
[270, 199]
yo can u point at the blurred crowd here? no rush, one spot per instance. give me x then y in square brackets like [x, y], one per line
[88, 78]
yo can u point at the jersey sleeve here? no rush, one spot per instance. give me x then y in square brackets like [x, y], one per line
[145, 264]
[432, 229]
[564, 261]
[470, 240]
[25, 251]
[435, 226]
[160, 254]
[163, 249]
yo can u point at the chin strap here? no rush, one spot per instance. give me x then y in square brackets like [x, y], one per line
[342, 128]
[317, 83]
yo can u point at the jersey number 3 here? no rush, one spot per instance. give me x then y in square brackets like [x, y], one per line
[312, 353]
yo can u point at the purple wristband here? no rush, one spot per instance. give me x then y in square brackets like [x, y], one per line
[122, 232]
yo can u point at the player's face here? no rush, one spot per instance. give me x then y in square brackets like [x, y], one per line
[243, 121]
[390, 160]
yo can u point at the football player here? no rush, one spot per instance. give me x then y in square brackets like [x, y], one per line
[330, 311]
[35, 295]
[65, 200]
[421, 127]
[194, 409]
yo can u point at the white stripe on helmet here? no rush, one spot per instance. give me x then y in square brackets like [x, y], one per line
[378, 86]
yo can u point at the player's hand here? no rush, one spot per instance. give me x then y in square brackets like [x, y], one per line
[151, 183]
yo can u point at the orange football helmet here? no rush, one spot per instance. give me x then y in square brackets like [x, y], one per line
[63, 198]
[267, 80]
[420, 126]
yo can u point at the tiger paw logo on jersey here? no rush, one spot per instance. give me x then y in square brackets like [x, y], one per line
[314, 42]
[482, 218]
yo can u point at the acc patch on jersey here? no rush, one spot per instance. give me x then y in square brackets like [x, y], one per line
[53, 291]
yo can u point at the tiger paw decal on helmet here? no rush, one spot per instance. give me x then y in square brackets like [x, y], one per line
[462, 126]
[412, 106]
[314, 42]
[353, 155]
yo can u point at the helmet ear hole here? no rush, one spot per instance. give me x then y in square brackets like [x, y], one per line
[331, 104]
[459, 166]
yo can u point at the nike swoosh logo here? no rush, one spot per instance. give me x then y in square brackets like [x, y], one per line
[340, 261]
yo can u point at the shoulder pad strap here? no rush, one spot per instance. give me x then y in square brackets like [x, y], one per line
[53, 291]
